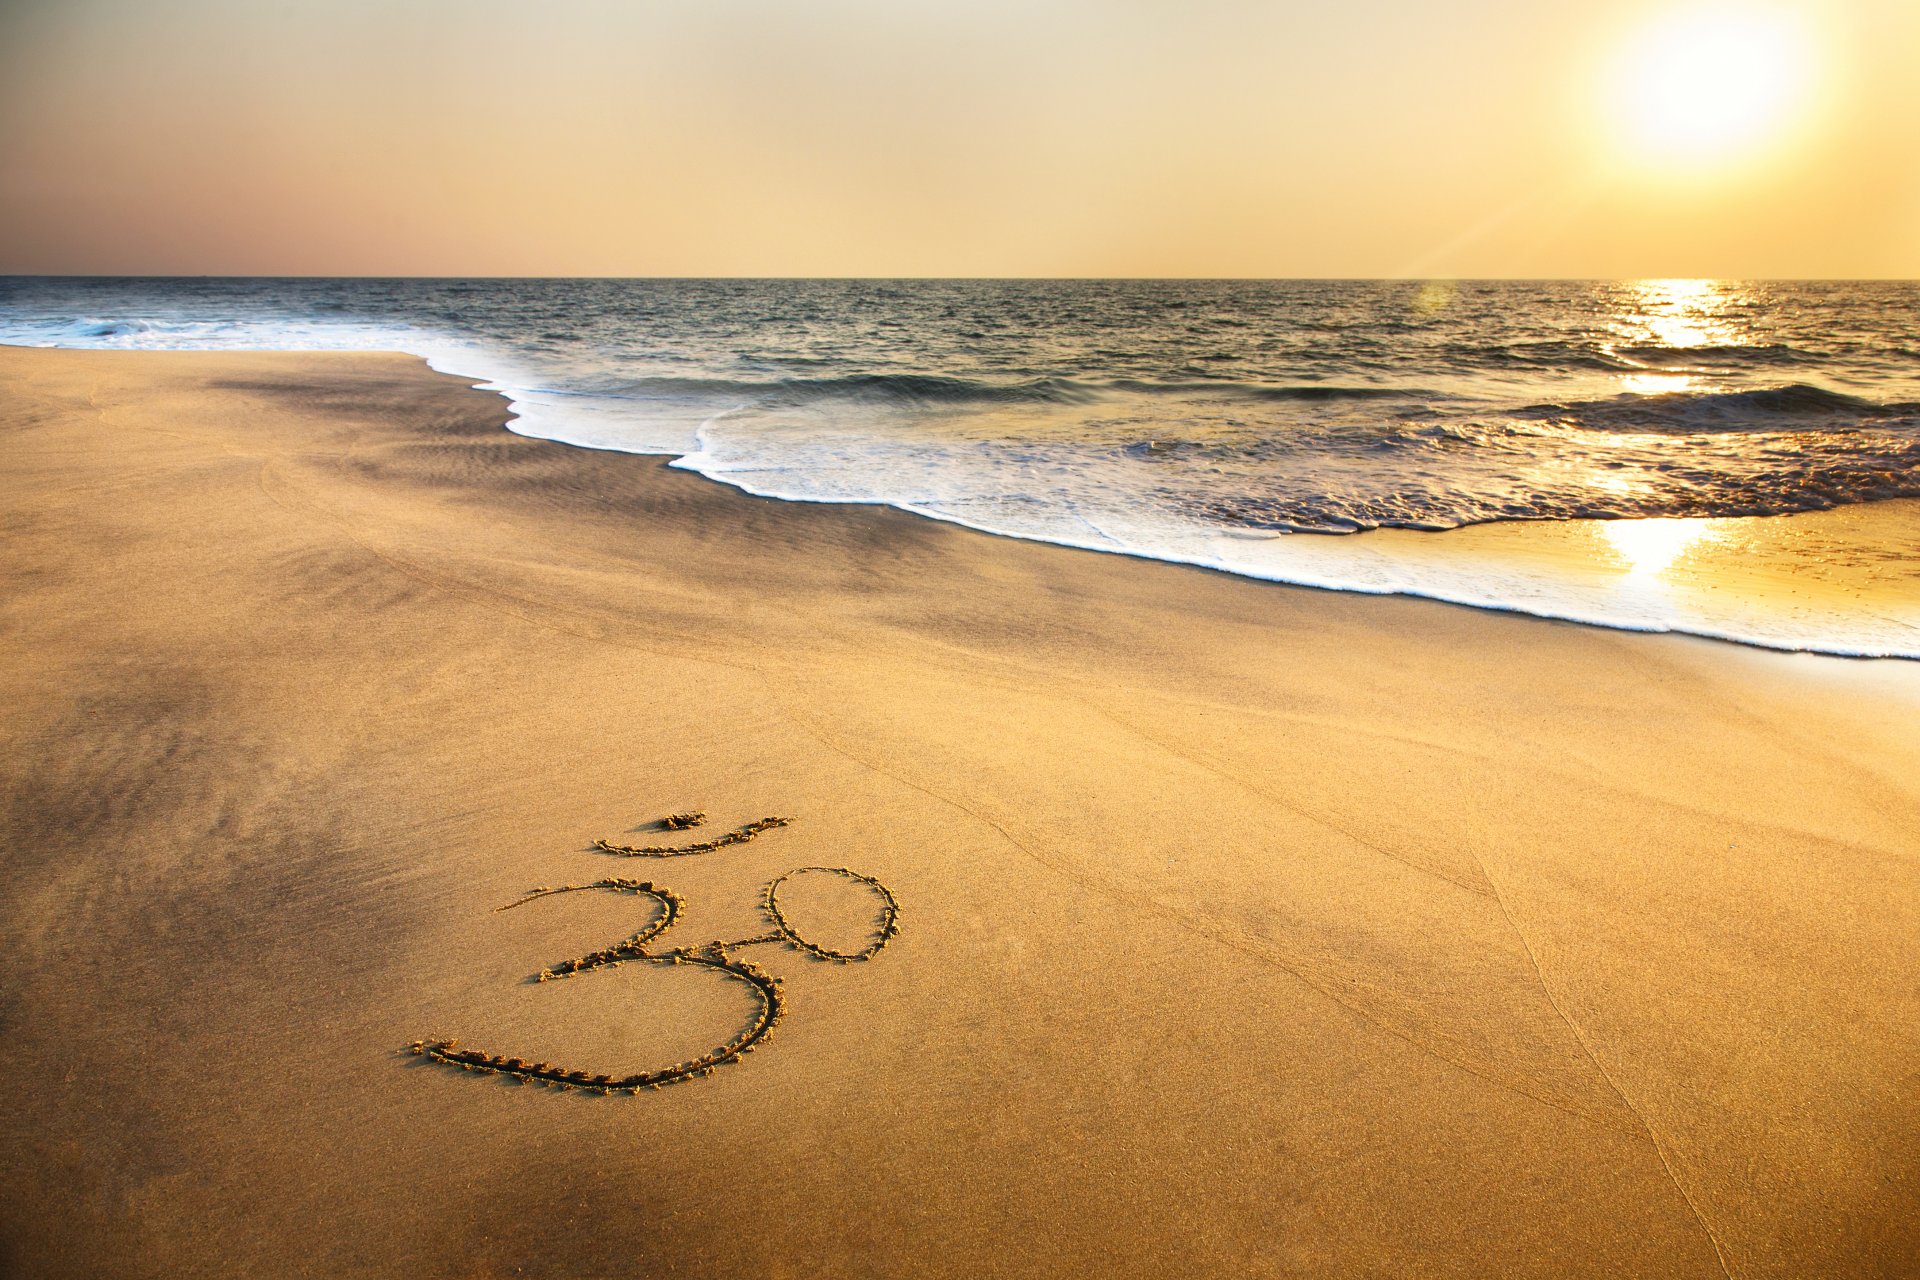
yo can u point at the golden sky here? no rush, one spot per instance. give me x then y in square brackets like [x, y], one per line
[975, 138]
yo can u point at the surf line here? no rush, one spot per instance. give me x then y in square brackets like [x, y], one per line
[716, 956]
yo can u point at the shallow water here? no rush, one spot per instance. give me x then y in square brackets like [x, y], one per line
[1225, 423]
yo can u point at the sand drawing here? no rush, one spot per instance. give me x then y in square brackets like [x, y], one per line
[681, 822]
[716, 955]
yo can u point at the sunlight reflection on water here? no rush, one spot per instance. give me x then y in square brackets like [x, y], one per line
[1686, 313]
[1650, 546]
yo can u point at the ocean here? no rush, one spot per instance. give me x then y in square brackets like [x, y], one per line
[1257, 427]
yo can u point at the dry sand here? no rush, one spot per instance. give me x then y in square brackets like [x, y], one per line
[1248, 930]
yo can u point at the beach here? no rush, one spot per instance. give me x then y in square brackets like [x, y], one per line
[1246, 929]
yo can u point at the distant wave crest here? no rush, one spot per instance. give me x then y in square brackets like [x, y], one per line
[1757, 409]
[910, 390]
[1668, 357]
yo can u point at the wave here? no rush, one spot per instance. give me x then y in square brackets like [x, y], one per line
[1533, 357]
[90, 328]
[904, 390]
[1313, 392]
[926, 388]
[1653, 355]
[1759, 409]
[1558, 356]
[907, 390]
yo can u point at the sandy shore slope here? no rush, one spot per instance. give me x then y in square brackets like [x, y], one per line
[1248, 930]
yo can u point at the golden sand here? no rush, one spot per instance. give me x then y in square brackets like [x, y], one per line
[1249, 930]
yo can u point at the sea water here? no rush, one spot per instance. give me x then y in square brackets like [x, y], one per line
[1257, 427]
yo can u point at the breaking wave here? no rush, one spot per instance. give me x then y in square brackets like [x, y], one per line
[1755, 409]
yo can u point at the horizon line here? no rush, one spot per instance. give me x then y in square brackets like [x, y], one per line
[1200, 279]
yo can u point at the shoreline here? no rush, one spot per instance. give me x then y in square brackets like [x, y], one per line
[1565, 570]
[1902, 514]
[1535, 557]
[1243, 930]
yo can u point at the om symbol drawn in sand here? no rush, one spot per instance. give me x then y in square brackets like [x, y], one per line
[713, 955]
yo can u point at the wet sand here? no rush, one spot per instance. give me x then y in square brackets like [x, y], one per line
[1246, 929]
[1844, 580]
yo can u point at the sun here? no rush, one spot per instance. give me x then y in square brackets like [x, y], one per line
[1710, 85]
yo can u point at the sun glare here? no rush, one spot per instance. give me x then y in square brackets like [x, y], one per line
[1710, 85]
[1649, 547]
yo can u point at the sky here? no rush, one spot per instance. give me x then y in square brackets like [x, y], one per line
[1214, 138]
